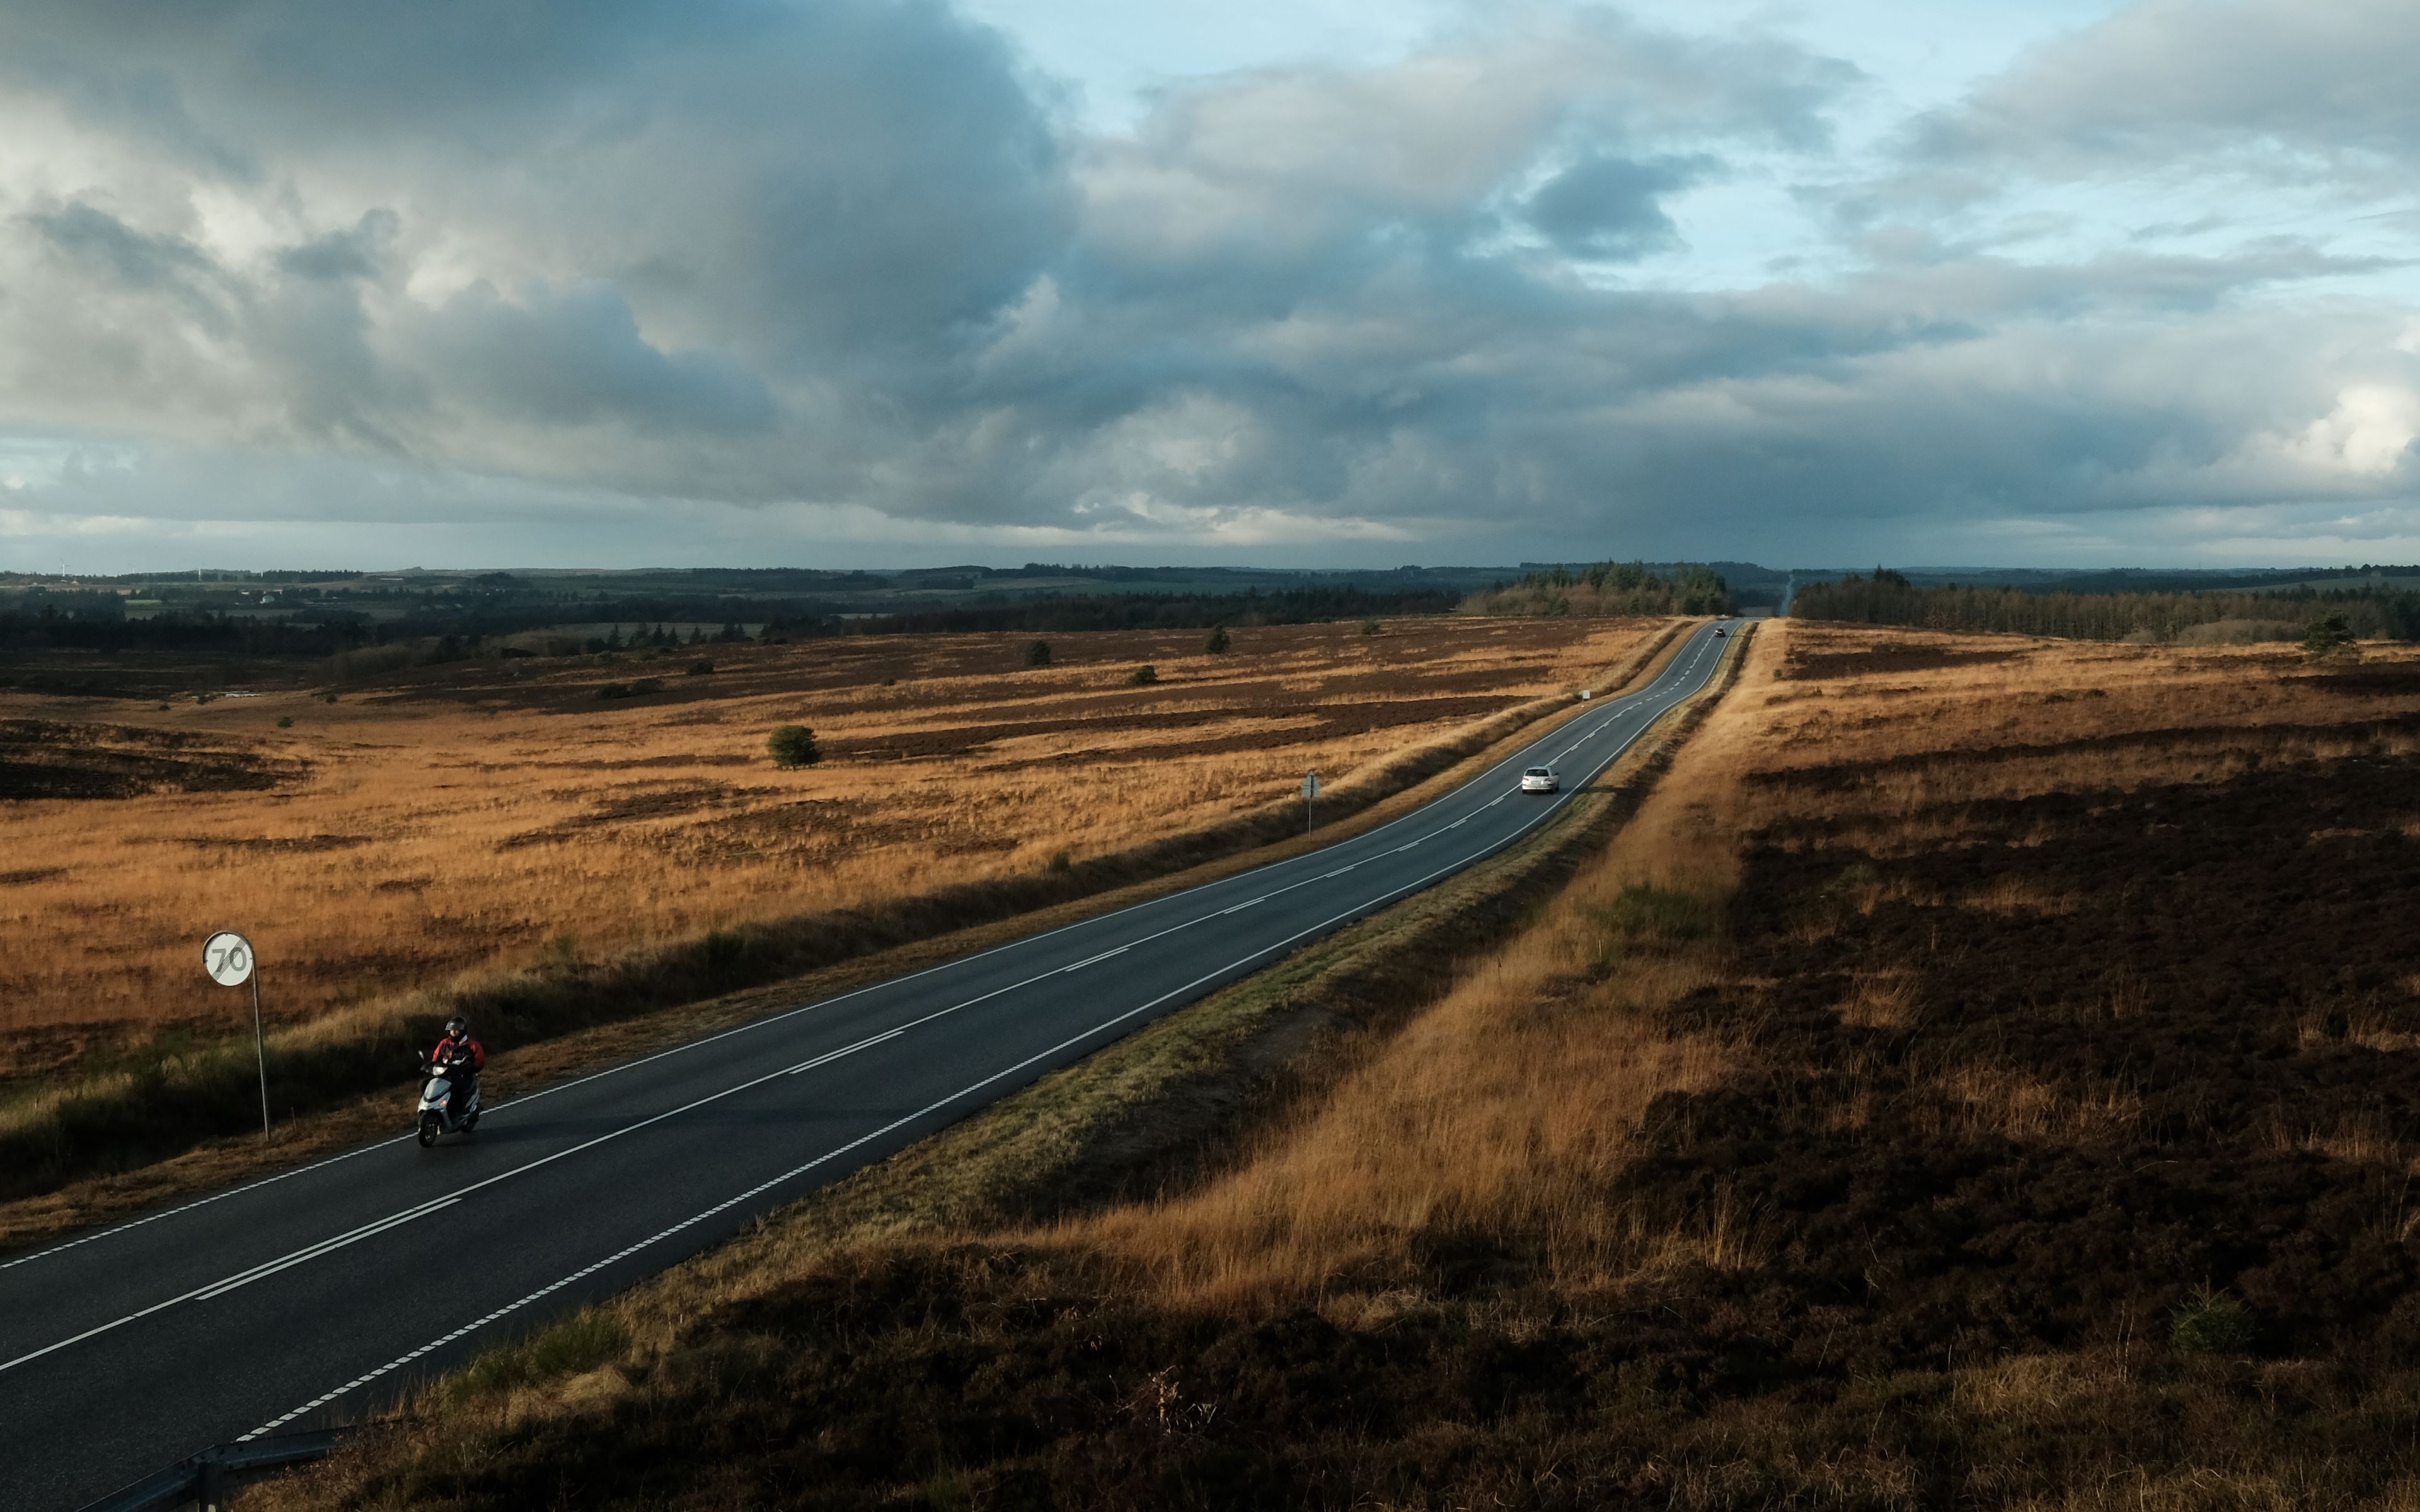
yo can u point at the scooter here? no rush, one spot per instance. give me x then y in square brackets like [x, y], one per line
[434, 1095]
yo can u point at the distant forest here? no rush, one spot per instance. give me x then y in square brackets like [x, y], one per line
[1606, 589]
[1135, 611]
[1886, 598]
[99, 622]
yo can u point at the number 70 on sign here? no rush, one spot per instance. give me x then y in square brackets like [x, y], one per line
[227, 957]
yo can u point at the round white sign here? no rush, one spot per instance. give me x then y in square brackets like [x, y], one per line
[227, 957]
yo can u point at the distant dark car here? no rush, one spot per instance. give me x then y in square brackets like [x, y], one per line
[1719, 632]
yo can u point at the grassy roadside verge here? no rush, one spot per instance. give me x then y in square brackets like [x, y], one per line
[1154, 1112]
[167, 1129]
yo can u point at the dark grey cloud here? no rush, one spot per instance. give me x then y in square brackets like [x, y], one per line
[1606, 206]
[574, 357]
[363, 251]
[100, 241]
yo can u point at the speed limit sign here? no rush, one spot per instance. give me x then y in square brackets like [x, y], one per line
[227, 957]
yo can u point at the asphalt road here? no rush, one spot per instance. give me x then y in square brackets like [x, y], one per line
[313, 1295]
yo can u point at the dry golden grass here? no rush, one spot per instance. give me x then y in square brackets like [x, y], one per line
[490, 815]
[2229, 708]
[1880, 1000]
[1999, 1100]
[1502, 1110]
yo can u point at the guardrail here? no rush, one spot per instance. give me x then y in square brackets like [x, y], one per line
[203, 1480]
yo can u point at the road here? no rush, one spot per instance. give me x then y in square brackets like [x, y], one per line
[316, 1293]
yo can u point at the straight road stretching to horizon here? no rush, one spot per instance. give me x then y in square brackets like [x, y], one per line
[315, 1295]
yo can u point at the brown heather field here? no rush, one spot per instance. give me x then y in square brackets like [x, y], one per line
[1982, 1074]
[486, 816]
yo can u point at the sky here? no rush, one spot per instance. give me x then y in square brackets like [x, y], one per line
[1318, 282]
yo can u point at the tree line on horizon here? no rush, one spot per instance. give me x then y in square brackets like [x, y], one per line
[1607, 588]
[1886, 598]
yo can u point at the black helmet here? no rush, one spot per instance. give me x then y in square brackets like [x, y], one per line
[457, 1026]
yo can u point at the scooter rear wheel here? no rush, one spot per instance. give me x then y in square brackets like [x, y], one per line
[430, 1127]
[470, 1121]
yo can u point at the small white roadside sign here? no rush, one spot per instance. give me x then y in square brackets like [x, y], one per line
[227, 957]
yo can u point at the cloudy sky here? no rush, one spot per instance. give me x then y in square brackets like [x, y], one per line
[620, 283]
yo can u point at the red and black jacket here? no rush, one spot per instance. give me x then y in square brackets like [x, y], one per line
[463, 1051]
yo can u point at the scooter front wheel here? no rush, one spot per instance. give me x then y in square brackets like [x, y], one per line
[430, 1127]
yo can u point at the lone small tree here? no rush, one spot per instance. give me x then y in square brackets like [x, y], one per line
[2327, 636]
[794, 745]
[1144, 676]
[1037, 652]
[1217, 643]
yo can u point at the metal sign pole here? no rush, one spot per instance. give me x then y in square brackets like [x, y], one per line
[230, 961]
[260, 1052]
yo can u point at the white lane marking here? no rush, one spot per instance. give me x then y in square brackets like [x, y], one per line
[313, 1251]
[230, 1282]
[201, 1202]
[1090, 960]
[831, 1055]
[324, 1246]
[1255, 903]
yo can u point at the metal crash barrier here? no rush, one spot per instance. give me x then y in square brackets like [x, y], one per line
[204, 1480]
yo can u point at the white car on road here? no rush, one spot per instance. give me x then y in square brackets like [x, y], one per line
[1541, 779]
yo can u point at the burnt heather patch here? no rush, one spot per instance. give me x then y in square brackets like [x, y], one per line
[2136, 1044]
[48, 759]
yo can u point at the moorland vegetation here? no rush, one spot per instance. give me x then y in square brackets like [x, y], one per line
[1982, 1074]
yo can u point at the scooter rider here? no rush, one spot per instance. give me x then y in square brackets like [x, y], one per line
[459, 1059]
